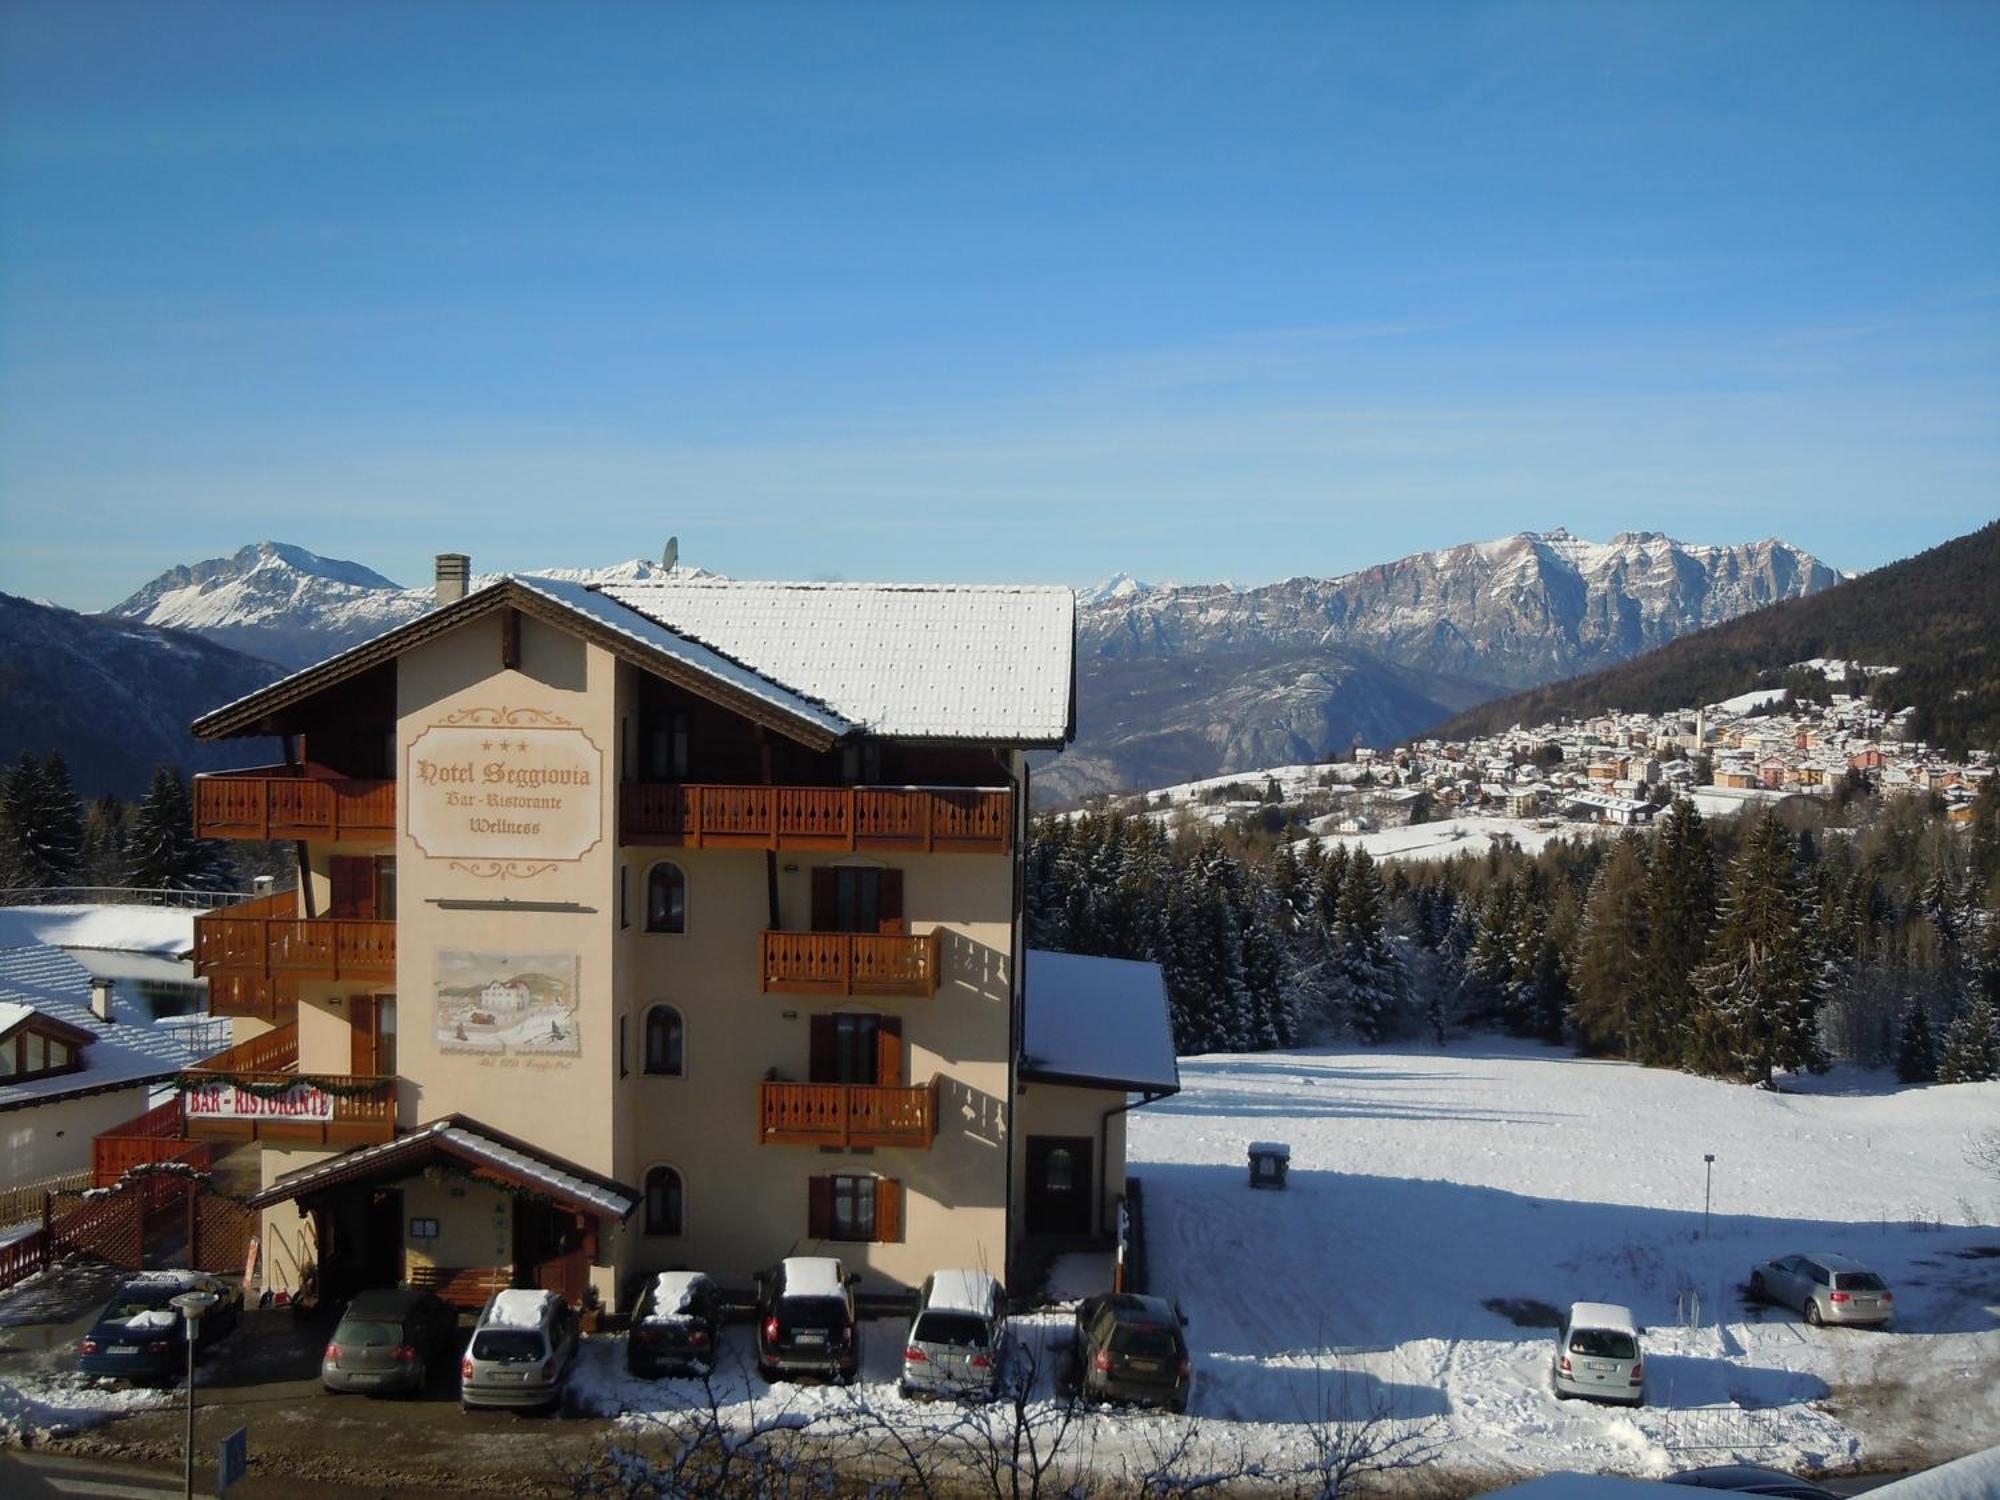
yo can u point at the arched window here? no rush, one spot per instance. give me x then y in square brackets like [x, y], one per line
[1061, 1172]
[666, 899]
[664, 1205]
[666, 1041]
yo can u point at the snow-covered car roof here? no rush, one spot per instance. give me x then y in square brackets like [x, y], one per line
[518, 1307]
[672, 1291]
[962, 1291]
[1606, 1315]
[813, 1276]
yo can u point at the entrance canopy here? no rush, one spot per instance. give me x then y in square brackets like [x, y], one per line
[468, 1144]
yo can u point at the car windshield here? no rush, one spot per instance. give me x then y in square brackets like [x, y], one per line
[1859, 1281]
[1143, 1341]
[1603, 1343]
[135, 1300]
[959, 1330]
[507, 1346]
[370, 1332]
[827, 1313]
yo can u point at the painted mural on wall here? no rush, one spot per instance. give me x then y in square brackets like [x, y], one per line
[507, 1004]
[505, 792]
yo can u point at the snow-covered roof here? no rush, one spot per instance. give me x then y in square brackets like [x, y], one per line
[1099, 1022]
[916, 661]
[129, 1050]
[812, 1276]
[165, 930]
[1607, 1315]
[470, 1141]
[962, 1291]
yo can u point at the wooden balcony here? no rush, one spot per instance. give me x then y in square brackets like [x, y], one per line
[254, 1092]
[946, 820]
[848, 963]
[159, 1135]
[292, 802]
[846, 1114]
[265, 941]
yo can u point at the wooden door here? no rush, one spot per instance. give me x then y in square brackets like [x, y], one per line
[352, 878]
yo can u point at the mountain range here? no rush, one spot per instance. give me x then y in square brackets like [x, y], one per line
[1175, 682]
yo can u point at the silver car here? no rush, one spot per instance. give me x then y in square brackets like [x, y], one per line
[521, 1352]
[1598, 1355]
[1826, 1288]
[958, 1342]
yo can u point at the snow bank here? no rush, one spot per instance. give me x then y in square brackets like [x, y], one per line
[36, 1407]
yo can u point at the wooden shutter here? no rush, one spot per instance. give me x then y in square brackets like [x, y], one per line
[826, 900]
[361, 1021]
[819, 1207]
[888, 1210]
[889, 902]
[353, 886]
[889, 1051]
[823, 1063]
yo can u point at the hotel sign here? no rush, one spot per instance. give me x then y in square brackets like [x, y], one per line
[225, 1101]
[507, 791]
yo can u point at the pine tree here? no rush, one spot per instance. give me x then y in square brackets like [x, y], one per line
[1758, 995]
[1611, 950]
[162, 852]
[1680, 910]
[1916, 1046]
[1370, 986]
[1972, 1047]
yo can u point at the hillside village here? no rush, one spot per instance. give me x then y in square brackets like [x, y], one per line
[1617, 769]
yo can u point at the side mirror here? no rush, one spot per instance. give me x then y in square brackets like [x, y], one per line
[1182, 1315]
[853, 1278]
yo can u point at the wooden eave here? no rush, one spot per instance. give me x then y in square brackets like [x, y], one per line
[252, 715]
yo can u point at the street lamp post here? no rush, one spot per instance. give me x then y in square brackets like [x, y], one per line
[192, 1305]
[1707, 1190]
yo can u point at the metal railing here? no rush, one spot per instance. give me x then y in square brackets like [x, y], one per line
[119, 895]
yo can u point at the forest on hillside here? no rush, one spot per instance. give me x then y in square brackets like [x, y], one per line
[1935, 616]
[1741, 949]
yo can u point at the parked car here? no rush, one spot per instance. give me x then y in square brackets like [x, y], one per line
[141, 1337]
[1598, 1355]
[1131, 1348]
[958, 1339]
[521, 1352]
[390, 1340]
[1826, 1288]
[806, 1322]
[675, 1325]
[1752, 1479]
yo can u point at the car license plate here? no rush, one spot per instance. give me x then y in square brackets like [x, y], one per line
[124, 1349]
[364, 1379]
[1142, 1366]
[811, 1336]
[1598, 1364]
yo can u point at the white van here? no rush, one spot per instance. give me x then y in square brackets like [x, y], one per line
[1597, 1355]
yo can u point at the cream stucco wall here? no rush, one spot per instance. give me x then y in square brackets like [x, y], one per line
[1052, 1109]
[47, 1140]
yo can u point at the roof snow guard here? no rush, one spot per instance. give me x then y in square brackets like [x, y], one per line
[817, 662]
[468, 1142]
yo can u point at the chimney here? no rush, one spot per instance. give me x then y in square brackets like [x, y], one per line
[672, 555]
[454, 572]
[100, 998]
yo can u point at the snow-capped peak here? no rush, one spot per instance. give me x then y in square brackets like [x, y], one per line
[1117, 586]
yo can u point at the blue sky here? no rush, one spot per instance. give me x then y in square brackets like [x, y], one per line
[1015, 291]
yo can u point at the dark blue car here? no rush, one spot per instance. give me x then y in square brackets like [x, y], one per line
[140, 1336]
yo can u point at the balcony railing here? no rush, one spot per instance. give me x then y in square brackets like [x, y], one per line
[848, 963]
[846, 1114]
[254, 1092]
[976, 820]
[158, 1135]
[266, 940]
[292, 802]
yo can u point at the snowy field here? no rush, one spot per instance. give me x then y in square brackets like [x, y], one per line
[1442, 1207]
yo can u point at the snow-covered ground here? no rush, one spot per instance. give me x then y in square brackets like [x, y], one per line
[1444, 1205]
[1450, 837]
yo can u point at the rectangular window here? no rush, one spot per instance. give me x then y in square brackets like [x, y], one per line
[38, 1052]
[8, 1053]
[853, 1209]
[855, 1052]
[622, 1069]
[624, 906]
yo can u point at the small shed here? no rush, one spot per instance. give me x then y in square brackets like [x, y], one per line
[1269, 1161]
